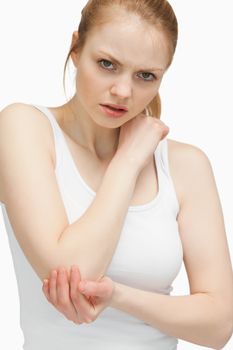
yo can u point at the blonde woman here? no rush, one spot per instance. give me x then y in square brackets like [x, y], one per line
[103, 208]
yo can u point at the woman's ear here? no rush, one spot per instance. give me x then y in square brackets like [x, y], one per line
[74, 53]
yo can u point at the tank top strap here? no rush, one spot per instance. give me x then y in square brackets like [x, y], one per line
[51, 118]
[166, 180]
[164, 156]
[57, 134]
[161, 155]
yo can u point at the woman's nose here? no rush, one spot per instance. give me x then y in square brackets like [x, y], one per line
[122, 88]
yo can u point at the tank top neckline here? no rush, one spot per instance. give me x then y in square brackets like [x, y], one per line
[140, 207]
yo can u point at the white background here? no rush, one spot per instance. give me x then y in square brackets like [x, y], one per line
[196, 92]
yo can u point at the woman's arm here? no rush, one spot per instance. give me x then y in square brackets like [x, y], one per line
[196, 318]
[39, 219]
[94, 237]
[206, 316]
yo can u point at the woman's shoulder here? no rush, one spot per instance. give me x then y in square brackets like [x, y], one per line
[23, 130]
[17, 107]
[184, 153]
[18, 112]
[188, 163]
[27, 119]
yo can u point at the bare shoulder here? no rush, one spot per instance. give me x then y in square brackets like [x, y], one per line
[29, 187]
[18, 113]
[16, 109]
[186, 162]
[180, 150]
[27, 122]
[26, 119]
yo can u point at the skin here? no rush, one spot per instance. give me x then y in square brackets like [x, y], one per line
[128, 85]
[205, 316]
[131, 85]
[80, 301]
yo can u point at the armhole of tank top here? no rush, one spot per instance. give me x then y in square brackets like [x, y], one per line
[55, 136]
[172, 185]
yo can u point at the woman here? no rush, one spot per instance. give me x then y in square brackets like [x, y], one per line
[101, 194]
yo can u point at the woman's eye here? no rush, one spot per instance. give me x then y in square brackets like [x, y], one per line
[106, 66]
[149, 74]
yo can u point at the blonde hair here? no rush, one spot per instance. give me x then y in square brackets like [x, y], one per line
[158, 13]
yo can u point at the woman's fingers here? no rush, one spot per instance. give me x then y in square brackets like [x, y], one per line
[80, 302]
[74, 282]
[45, 288]
[102, 289]
[62, 291]
[63, 297]
[62, 287]
[53, 287]
[56, 290]
[78, 311]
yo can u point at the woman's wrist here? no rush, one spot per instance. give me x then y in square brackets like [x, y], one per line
[127, 163]
[115, 295]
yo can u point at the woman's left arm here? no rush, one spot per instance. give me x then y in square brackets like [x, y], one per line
[205, 317]
[195, 318]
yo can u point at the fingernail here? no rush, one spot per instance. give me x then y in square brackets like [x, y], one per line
[84, 282]
[82, 286]
[45, 281]
[73, 268]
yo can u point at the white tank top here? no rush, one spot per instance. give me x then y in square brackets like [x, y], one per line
[148, 256]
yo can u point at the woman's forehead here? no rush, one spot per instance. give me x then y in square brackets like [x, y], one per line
[131, 42]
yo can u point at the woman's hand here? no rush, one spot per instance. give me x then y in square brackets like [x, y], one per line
[139, 138]
[65, 291]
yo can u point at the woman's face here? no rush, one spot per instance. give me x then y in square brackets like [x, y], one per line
[133, 81]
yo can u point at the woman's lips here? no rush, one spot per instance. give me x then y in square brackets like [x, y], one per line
[112, 112]
[114, 106]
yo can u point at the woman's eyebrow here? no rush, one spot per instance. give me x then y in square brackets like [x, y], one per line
[120, 64]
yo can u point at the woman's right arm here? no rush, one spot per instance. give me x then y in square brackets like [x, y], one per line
[34, 204]
[91, 241]
[35, 207]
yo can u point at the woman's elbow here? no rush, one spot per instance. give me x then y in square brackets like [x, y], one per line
[225, 331]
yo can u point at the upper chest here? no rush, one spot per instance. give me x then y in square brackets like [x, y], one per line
[92, 171]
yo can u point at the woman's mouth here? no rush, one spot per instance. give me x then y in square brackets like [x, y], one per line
[113, 112]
